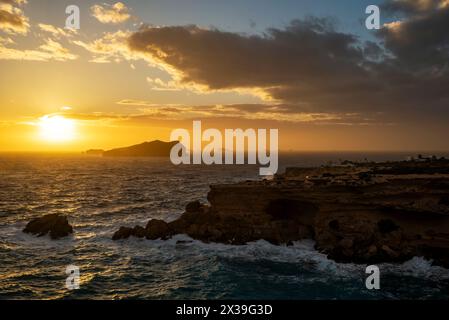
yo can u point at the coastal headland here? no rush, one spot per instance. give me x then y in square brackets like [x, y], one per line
[356, 212]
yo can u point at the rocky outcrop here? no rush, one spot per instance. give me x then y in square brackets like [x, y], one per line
[365, 213]
[155, 229]
[54, 224]
[123, 233]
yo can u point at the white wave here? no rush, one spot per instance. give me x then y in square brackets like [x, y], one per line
[304, 254]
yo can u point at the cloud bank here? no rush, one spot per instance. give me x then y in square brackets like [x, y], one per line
[315, 68]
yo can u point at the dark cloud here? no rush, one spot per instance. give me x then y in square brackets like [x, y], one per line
[292, 61]
[311, 66]
[420, 42]
[223, 60]
[411, 6]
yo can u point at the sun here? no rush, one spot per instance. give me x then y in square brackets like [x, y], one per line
[55, 128]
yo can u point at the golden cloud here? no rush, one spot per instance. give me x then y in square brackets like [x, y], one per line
[12, 19]
[50, 50]
[6, 40]
[273, 112]
[111, 47]
[114, 14]
[56, 31]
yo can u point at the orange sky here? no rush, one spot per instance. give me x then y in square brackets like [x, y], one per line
[117, 85]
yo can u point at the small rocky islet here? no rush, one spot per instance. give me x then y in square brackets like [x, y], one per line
[56, 225]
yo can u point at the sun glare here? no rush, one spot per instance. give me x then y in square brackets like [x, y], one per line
[56, 128]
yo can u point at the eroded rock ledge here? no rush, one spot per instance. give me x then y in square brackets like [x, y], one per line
[364, 213]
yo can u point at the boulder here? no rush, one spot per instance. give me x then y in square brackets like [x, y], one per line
[194, 206]
[370, 253]
[157, 229]
[139, 232]
[55, 224]
[390, 252]
[122, 233]
[178, 226]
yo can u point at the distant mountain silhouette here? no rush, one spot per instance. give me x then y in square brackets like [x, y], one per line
[94, 152]
[155, 148]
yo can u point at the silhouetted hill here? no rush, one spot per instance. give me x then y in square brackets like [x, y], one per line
[155, 148]
[94, 152]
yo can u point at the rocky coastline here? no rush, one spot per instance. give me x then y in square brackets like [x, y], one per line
[355, 212]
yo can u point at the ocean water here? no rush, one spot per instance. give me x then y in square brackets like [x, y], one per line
[99, 195]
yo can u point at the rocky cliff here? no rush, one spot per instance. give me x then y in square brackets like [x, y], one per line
[366, 213]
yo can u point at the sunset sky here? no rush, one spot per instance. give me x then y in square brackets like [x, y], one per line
[138, 69]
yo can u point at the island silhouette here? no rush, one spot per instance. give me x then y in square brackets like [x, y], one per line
[156, 148]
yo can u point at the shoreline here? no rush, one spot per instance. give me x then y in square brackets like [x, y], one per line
[358, 212]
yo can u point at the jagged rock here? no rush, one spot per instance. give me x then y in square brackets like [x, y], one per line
[387, 226]
[122, 233]
[178, 226]
[157, 229]
[346, 243]
[55, 224]
[370, 253]
[139, 232]
[391, 253]
[194, 206]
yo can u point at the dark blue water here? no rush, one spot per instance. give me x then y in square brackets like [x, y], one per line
[100, 194]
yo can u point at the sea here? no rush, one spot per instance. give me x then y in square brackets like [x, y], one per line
[101, 194]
